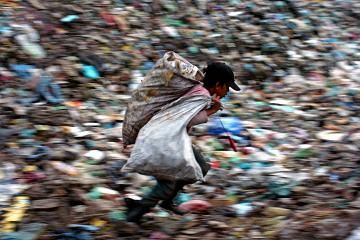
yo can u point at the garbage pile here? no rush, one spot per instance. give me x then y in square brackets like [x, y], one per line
[67, 69]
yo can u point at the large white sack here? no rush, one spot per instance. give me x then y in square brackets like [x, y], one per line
[163, 147]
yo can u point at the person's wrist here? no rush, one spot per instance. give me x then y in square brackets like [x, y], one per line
[211, 111]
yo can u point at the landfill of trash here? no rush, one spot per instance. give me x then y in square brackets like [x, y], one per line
[67, 69]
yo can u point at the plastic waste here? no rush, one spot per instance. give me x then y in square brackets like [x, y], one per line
[64, 168]
[30, 231]
[182, 197]
[14, 214]
[297, 62]
[40, 153]
[22, 70]
[102, 192]
[117, 216]
[31, 48]
[231, 124]
[354, 235]
[95, 155]
[90, 72]
[69, 18]
[243, 208]
[49, 90]
[195, 206]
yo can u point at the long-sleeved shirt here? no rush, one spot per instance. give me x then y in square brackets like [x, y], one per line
[202, 116]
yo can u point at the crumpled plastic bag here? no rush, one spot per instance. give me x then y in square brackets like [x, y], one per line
[195, 206]
[163, 148]
[171, 77]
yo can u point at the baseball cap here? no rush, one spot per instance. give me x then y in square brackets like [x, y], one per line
[221, 72]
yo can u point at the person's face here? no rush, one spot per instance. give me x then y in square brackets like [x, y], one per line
[221, 89]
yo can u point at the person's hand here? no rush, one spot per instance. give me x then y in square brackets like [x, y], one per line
[215, 106]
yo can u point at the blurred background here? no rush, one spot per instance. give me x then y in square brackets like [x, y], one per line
[67, 70]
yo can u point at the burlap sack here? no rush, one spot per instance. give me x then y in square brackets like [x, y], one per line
[171, 77]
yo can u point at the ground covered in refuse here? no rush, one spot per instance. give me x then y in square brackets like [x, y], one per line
[67, 69]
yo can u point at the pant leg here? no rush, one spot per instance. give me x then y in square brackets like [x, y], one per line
[179, 185]
[201, 160]
[204, 165]
[163, 190]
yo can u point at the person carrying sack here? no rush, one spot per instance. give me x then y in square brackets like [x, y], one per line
[163, 147]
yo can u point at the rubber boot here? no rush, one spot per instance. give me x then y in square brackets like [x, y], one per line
[135, 210]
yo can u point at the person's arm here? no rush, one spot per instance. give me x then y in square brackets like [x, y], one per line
[202, 117]
[199, 118]
[216, 106]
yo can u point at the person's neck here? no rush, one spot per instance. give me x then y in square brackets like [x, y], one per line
[210, 90]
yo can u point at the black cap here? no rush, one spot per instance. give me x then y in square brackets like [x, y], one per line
[221, 72]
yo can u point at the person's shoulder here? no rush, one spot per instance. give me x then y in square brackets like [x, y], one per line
[198, 90]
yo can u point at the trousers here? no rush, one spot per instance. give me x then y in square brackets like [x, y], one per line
[166, 190]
